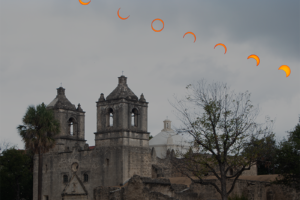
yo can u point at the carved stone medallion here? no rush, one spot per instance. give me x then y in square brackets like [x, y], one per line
[74, 167]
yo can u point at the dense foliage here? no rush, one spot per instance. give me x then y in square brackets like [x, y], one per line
[16, 175]
[38, 133]
[288, 160]
[267, 154]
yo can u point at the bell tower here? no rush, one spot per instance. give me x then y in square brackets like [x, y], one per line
[122, 135]
[71, 120]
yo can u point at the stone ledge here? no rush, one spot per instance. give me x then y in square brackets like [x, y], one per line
[155, 181]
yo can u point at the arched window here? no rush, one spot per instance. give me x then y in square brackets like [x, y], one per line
[110, 117]
[65, 179]
[85, 178]
[270, 195]
[71, 126]
[231, 172]
[167, 125]
[134, 117]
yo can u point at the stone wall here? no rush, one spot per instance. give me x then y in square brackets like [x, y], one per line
[162, 189]
[106, 166]
[253, 190]
[145, 189]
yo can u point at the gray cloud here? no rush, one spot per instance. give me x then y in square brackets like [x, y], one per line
[87, 48]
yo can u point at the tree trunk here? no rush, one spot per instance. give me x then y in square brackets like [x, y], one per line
[40, 175]
[223, 183]
[18, 189]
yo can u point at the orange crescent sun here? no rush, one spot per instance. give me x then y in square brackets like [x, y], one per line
[221, 45]
[161, 28]
[83, 3]
[120, 16]
[254, 57]
[286, 69]
[192, 34]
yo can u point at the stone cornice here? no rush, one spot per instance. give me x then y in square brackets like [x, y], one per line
[121, 130]
[69, 138]
[118, 101]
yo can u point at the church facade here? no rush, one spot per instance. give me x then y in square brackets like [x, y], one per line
[73, 169]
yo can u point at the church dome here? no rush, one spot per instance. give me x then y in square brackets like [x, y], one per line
[167, 139]
[61, 101]
[122, 91]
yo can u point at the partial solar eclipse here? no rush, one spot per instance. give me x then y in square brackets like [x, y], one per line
[122, 17]
[83, 3]
[192, 34]
[286, 69]
[254, 57]
[221, 45]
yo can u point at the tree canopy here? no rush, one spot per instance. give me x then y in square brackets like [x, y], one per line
[38, 133]
[288, 160]
[16, 175]
[222, 127]
[39, 128]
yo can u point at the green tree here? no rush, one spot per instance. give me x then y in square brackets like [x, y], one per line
[150, 137]
[38, 131]
[267, 154]
[288, 160]
[221, 125]
[16, 175]
[4, 145]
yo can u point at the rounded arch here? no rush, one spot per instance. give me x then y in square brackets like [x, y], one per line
[71, 123]
[109, 117]
[74, 118]
[134, 116]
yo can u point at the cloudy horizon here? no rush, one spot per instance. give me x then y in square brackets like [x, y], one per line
[46, 43]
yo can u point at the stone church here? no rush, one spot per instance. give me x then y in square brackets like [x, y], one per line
[121, 145]
[75, 170]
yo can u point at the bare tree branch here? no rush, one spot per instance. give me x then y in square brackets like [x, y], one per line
[222, 125]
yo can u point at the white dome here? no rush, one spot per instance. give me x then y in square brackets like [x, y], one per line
[168, 139]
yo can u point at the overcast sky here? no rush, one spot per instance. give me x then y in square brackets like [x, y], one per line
[86, 47]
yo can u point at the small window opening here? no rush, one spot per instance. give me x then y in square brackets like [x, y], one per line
[134, 117]
[110, 117]
[65, 179]
[231, 172]
[71, 126]
[107, 162]
[167, 125]
[85, 178]
[111, 122]
[46, 197]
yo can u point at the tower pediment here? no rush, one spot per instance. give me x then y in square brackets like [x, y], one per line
[74, 187]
